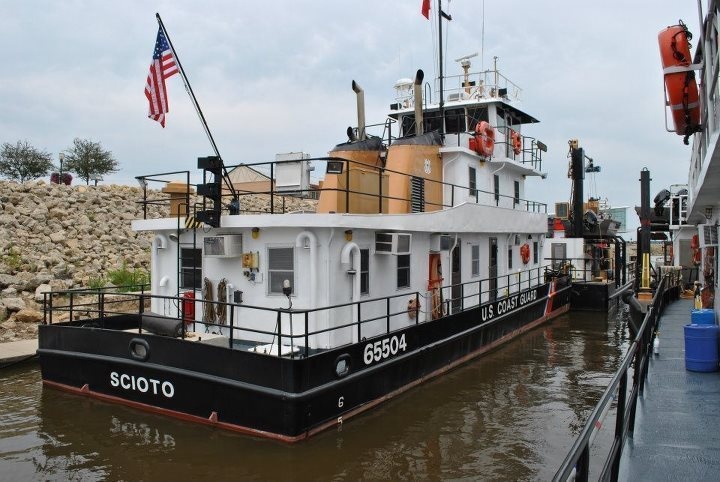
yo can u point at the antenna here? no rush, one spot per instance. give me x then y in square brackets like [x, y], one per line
[465, 64]
[466, 57]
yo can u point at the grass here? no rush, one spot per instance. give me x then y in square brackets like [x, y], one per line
[124, 279]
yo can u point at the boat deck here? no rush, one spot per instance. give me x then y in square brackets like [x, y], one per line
[677, 428]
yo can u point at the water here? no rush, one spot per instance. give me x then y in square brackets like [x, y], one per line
[510, 415]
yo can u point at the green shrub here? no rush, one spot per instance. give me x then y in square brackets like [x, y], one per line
[97, 283]
[129, 280]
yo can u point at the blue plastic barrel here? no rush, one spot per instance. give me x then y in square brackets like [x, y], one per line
[701, 348]
[702, 317]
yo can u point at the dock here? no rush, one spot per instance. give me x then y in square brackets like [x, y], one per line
[677, 429]
[17, 351]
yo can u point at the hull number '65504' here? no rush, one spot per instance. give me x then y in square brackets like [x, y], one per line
[381, 349]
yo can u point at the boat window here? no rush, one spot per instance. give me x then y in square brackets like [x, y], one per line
[190, 268]
[454, 121]
[516, 200]
[510, 256]
[476, 115]
[432, 121]
[364, 271]
[472, 181]
[475, 259]
[408, 125]
[403, 271]
[280, 268]
[500, 119]
[496, 185]
[535, 252]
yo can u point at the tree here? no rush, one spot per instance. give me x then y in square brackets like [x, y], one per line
[87, 159]
[23, 162]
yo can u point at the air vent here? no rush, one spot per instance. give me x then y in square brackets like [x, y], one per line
[393, 243]
[229, 246]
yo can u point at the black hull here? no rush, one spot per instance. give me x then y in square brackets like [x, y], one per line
[595, 296]
[280, 398]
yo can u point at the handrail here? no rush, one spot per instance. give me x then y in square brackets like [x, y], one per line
[492, 197]
[102, 305]
[577, 461]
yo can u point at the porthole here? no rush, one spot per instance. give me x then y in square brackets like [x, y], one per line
[342, 365]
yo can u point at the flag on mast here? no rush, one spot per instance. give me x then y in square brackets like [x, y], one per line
[163, 65]
[425, 10]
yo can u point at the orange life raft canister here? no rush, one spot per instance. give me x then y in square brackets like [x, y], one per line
[680, 84]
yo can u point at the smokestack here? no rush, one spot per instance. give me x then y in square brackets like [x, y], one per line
[360, 109]
[578, 174]
[417, 90]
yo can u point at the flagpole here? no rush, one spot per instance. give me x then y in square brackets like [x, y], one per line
[195, 103]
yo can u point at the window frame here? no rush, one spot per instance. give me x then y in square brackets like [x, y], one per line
[398, 270]
[365, 271]
[472, 181]
[196, 266]
[270, 270]
[475, 260]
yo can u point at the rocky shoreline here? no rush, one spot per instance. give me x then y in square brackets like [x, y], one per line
[56, 237]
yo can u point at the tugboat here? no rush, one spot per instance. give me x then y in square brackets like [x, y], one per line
[585, 242]
[419, 254]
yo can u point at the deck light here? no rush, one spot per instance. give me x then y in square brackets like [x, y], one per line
[256, 233]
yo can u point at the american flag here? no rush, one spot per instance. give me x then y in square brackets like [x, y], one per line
[163, 66]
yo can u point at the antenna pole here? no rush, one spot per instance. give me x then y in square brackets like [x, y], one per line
[195, 103]
[440, 59]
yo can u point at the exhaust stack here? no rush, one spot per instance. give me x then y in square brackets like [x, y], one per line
[360, 110]
[417, 90]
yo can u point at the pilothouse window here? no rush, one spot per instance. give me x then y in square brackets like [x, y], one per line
[454, 121]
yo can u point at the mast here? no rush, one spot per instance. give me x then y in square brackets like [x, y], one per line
[441, 14]
[224, 172]
[440, 61]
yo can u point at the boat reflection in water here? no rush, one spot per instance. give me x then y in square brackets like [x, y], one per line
[510, 415]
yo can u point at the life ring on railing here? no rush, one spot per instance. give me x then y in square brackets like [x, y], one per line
[525, 253]
[680, 81]
[413, 308]
[484, 139]
[515, 141]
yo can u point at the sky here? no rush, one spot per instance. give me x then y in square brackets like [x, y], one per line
[275, 76]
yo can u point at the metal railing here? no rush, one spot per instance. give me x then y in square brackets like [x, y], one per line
[450, 192]
[577, 462]
[100, 307]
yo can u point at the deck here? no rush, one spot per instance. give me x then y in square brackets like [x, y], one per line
[677, 429]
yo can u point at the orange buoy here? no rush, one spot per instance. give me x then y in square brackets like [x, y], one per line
[484, 139]
[525, 253]
[680, 84]
[516, 141]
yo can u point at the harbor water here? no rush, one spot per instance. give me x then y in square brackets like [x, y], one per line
[509, 415]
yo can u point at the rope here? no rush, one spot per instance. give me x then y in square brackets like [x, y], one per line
[222, 299]
[208, 307]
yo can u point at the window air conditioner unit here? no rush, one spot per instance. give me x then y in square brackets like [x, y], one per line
[228, 246]
[708, 234]
[392, 243]
[562, 210]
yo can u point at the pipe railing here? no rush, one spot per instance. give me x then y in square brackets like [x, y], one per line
[98, 307]
[452, 191]
[576, 465]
